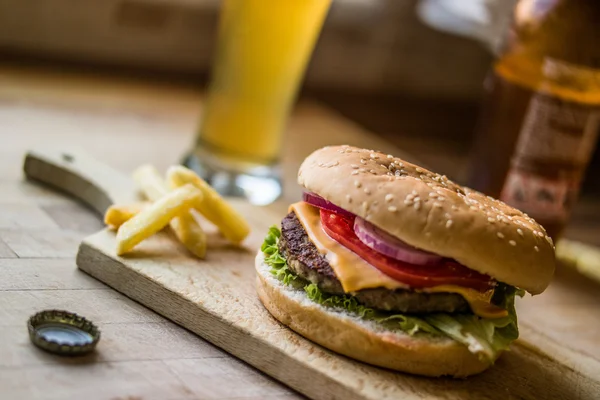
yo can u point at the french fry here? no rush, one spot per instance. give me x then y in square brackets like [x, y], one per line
[185, 227]
[156, 216]
[231, 224]
[117, 215]
[150, 182]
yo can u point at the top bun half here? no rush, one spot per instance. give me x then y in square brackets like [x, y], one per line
[430, 212]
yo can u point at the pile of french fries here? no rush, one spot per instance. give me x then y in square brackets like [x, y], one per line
[173, 202]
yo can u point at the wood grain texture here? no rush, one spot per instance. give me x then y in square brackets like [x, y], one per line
[5, 251]
[125, 123]
[216, 299]
[205, 299]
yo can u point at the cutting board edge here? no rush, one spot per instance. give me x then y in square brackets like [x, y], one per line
[295, 374]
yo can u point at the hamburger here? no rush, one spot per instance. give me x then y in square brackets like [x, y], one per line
[396, 266]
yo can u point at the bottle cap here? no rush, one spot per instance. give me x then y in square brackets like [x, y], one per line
[63, 333]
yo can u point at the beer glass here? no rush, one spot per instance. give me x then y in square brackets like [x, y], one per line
[262, 52]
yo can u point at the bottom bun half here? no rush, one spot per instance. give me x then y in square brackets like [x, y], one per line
[361, 339]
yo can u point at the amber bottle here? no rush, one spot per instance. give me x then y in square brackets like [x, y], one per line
[541, 113]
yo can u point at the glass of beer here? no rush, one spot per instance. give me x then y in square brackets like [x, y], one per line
[262, 52]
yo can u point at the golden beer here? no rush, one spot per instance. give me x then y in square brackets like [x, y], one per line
[263, 49]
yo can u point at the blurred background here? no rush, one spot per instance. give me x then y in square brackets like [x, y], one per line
[410, 71]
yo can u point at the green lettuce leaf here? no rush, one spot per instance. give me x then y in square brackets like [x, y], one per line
[274, 259]
[484, 337]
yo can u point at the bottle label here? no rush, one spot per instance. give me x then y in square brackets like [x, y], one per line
[558, 130]
[555, 134]
[539, 197]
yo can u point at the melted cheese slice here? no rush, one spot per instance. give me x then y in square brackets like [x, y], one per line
[355, 274]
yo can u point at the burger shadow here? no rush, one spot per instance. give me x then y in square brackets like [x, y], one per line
[523, 373]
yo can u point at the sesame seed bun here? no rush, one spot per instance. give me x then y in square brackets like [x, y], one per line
[430, 212]
[361, 339]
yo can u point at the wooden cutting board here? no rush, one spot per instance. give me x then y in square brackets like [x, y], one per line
[216, 299]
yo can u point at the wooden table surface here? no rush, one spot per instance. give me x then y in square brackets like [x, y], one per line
[123, 123]
[126, 123]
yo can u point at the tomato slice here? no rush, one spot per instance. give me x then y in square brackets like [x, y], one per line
[448, 272]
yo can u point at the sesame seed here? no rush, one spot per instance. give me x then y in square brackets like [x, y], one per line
[436, 204]
[400, 164]
[418, 170]
[354, 166]
[512, 242]
[500, 235]
[492, 220]
[446, 215]
[398, 172]
[392, 209]
[448, 223]
[540, 234]
[354, 173]
[374, 156]
[519, 231]
[455, 208]
[357, 184]
[373, 171]
[408, 202]
[348, 198]
[363, 161]
[367, 191]
[536, 248]
[389, 197]
[417, 205]
[431, 194]
[473, 208]
[422, 176]
[390, 156]
[365, 205]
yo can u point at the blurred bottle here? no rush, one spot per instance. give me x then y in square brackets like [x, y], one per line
[541, 112]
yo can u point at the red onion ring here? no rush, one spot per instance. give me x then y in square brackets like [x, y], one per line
[386, 244]
[320, 202]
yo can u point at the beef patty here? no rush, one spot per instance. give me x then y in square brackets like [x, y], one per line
[305, 260]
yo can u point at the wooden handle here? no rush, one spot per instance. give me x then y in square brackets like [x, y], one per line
[81, 176]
